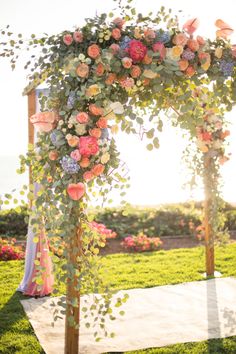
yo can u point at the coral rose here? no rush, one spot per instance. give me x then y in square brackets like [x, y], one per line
[96, 132]
[110, 78]
[88, 145]
[102, 123]
[135, 71]
[53, 155]
[67, 39]
[127, 63]
[82, 117]
[100, 69]
[180, 39]
[116, 34]
[84, 162]
[98, 169]
[78, 37]
[82, 70]
[159, 47]
[190, 71]
[93, 51]
[88, 176]
[44, 121]
[193, 45]
[95, 110]
[183, 64]
[137, 50]
[76, 190]
[147, 60]
[75, 155]
[126, 82]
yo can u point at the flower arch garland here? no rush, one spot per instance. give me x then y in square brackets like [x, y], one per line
[110, 74]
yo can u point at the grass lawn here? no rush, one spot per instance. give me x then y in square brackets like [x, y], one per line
[122, 271]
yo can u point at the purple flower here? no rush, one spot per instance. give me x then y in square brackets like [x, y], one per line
[69, 165]
[162, 36]
[226, 67]
[188, 54]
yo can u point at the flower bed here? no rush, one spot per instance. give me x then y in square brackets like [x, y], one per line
[141, 243]
[9, 252]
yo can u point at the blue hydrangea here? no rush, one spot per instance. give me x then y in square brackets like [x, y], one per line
[105, 134]
[188, 54]
[57, 138]
[71, 99]
[124, 44]
[69, 165]
[226, 67]
[163, 36]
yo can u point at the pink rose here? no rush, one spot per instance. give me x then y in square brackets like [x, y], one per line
[159, 47]
[114, 48]
[88, 145]
[180, 39]
[102, 123]
[127, 62]
[93, 51]
[119, 22]
[137, 50]
[78, 37]
[44, 121]
[88, 176]
[82, 117]
[53, 155]
[75, 155]
[67, 39]
[135, 71]
[96, 132]
[116, 33]
[127, 82]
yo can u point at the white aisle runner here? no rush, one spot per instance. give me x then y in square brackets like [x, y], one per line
[154, 317]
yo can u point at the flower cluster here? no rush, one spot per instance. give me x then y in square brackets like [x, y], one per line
[103, 230]
[141, 243]
[9, 252]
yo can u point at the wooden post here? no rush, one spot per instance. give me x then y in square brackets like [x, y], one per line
[209, 237]
[72, 332]
[31, 111]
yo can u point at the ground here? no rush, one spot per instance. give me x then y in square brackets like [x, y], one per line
[122, 271]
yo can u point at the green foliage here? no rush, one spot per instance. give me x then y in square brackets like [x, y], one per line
[14, 222]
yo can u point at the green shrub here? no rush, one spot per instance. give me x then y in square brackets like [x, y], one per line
[13, 222]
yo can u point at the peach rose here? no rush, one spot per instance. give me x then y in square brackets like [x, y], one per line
[78, 37]
[53, 155]
[88, 176]
[190, 71]
[193, 45]
[82, 117]
[75, 155]
[84, 163]
[127, 62]
[96, 132]
[180, 39]
[135, 71]
[149, 34]
[126, 82]
[93, 51]
[95, 110]
[110, 78]
[98, 169]
[92, 90]
[114, 48]
[76, 190]
[100, 69]
[147, 60]
[72, 140]
[183, 64]
[44, 121]
[116, 34]
[102, 123]
[82, 70]
[67, 39]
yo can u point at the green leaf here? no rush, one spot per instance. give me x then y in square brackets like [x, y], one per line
[150, 147]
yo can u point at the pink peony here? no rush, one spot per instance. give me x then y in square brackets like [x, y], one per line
[67, 39]
[88, 145]
[78, 37]
[137, 50]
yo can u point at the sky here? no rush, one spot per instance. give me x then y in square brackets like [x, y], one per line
[156, 177]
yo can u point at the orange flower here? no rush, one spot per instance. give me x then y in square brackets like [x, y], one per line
[100, 69]
[98, 169]
[146, 82]
[183, 64]
[180, 39]
[96, 132]
[93, 51]
[95, 110]
[116, 33]
[127, 62]
[53, 155]
[193, 45]
[102, 123]
[190, 71]
[110, 79]
[84, 162]
[191, 25]
[76, 190]
[135, 71]
[82, 70]
[82, 117]
[88, 176]
[147, 59]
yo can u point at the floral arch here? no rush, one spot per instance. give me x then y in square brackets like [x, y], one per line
[120, 72]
